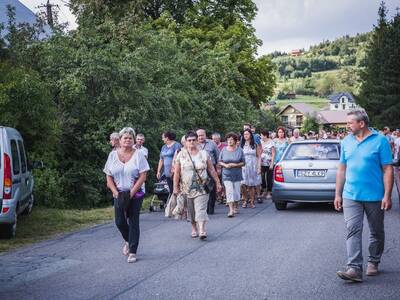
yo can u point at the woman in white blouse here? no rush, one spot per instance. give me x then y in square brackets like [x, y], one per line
[126, 171]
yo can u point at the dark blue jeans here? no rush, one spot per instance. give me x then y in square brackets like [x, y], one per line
[127, 212]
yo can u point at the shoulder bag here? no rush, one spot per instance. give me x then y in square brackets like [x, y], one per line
[208, 185]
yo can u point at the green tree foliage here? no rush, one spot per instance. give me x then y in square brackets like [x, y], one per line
[380, 90]
[345, 56]
[127, 66]
[310, 124]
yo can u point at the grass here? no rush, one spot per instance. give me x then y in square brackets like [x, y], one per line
[317, 102]
[45, 223]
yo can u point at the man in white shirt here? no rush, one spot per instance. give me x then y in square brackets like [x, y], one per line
[386, 132]
[139, 145]
[296, 136]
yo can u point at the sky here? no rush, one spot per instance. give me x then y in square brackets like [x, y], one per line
[285, 25]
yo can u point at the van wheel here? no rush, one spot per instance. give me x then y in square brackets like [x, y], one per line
[280, 205]
[29, 208]
[8, 231]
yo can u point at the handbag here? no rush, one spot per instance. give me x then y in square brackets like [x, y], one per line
[124, 198]
[171, 204]
[208, 185]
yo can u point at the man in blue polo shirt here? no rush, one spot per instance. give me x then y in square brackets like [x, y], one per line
[364, 184]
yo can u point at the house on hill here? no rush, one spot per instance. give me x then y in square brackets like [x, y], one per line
[341, 101]
[332, 118]
[293, 115]
[295, 52]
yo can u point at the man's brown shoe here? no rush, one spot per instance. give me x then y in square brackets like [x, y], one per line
[350, 274]
[372, 269]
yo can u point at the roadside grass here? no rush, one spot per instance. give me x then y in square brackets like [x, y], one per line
[45, 223]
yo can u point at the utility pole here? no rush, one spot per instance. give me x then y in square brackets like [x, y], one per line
[49, 12]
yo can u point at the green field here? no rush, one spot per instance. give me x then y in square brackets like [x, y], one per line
[317, 102]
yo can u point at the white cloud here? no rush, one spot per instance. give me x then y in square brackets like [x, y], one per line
[64, 14]
[289, 24]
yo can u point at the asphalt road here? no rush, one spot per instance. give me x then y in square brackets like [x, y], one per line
[260, 254]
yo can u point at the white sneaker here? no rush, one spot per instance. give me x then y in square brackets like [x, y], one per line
[125, 249]
[132, 258]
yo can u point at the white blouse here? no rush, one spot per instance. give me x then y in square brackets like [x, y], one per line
[126, 174]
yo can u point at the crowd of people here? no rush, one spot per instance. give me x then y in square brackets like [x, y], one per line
[237, 172]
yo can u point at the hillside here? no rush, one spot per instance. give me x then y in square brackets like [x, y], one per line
[326, 68]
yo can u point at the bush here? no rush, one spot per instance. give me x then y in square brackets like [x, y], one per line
[49, 188]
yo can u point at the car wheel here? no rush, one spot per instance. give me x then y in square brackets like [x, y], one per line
[280, 205]
[28, 209]
[8, 231]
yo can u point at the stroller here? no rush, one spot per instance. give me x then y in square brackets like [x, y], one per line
[160, 195]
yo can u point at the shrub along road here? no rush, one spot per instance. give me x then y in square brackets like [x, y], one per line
[260, 254]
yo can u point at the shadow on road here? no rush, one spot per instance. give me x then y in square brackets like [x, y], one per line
[311, 207]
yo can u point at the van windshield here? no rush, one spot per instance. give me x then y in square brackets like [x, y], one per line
[313, 151]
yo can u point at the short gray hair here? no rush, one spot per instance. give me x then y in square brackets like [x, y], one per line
[127, 130]
[360, 115]
[216, 134]
[114, 136]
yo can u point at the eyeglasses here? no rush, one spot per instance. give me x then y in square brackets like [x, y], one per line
[191, 140]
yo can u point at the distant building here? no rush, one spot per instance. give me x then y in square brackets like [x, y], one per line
[332, 118]
[341, 101]
[295, 52]
[290, 95]
[293, 115]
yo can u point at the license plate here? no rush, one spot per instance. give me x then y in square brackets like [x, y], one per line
[311, 173]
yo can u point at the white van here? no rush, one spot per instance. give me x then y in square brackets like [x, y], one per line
[16, 181]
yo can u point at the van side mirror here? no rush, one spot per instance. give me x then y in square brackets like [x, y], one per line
[37, 165]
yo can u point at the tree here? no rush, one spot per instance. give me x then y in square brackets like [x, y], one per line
[122, 67]
[380, 89]
[310, 124]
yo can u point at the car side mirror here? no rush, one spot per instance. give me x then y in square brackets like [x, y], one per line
[37, 165]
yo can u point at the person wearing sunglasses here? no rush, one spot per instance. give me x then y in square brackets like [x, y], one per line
[191, 174]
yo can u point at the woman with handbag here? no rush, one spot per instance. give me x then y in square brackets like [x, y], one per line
[126, 170]
[191, 173]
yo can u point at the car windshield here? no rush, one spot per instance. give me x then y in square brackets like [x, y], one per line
[314, 151]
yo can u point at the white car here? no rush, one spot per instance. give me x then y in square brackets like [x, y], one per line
[16, 181]
[306, 173]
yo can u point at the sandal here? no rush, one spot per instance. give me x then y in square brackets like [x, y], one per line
[194, 235]
[231, 215]
[244, 205]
